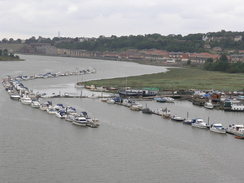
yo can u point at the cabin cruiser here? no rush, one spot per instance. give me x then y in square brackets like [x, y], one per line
[25, 100]
[80, 121]
[233, 129]
[177, 118]
[35, 104]
[217, 127]
[199, 123]
[208, 105]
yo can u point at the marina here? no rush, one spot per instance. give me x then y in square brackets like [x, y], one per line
[40, 147]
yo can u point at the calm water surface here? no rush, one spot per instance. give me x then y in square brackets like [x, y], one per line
[128, 146]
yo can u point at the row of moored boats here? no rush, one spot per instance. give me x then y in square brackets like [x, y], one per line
[17, 91]
[235, 129]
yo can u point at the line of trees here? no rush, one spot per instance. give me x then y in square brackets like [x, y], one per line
[223, 65]
[172, 43]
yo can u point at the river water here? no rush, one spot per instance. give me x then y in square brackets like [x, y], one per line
[128, 146]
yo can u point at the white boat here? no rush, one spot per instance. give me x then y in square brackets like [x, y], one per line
[92, 122]
[110, 101]
[217, 127]
[59, 107]
[35, 104]
[233, 129]
[158, 111]
[80, 121]
[169, 99]
[187, 121]
[136, 107]
[45, 106]
[15, 96]
[199, 123]
[51, 110]
[69, 117]
[208, 105]
[176, 118]
[25, 100]
[70, 110]
[240, 134]
[61, 114]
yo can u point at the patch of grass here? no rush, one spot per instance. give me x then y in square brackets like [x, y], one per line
[179, 78]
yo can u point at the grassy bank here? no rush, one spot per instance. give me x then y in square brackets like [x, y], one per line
[178, 78]
[4, 58]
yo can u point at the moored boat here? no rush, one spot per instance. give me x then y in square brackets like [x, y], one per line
[218, 128]
[15, 96]
[177, 118]
[166, 113]
[240, 134]
[61, 114]
[199, 123]
[234, 128]
[146, 111]
[35, 104]
[25, 100]
[136, 107]
[187, 121]
[80, 121]
[208, 105]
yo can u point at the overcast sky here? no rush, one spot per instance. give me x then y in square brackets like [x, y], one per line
[92, 18]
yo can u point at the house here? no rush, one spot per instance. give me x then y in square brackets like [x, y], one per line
[238, 38]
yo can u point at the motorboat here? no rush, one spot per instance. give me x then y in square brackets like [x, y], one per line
[158, 111]
[110, 101]
[15, 96]
[59, 107]
[92, 122]
[80, 121]
[51, 110]
[169, 99]
[208, 105]
[25, 100]
[177, 118]
[218, 128]
[69, 117]
[136, 107]
[187, 121]
[240, 134]
[234, 128]
[61, 114]
[45, 106]
[199, 123]
[70, 110]
[146, 111]
[35, 104]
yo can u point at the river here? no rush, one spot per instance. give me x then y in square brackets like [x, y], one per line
[127, 147]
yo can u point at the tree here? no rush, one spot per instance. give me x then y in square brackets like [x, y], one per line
[5, 52]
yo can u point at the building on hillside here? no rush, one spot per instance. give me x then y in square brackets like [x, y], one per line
[155, 55]
[217, 49]
[237, 58]
[176, 55]
[238, 38]
[111, 55]
[202, 57]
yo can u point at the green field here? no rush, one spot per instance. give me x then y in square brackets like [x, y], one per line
[178, 78]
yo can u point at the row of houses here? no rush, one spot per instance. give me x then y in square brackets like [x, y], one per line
[152, 54]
